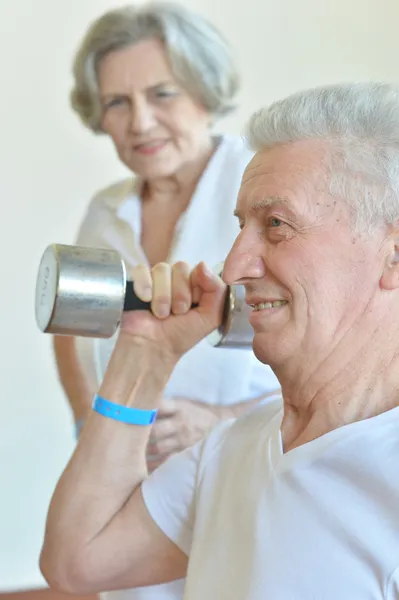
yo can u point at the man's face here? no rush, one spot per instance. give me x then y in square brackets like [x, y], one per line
[309, 276]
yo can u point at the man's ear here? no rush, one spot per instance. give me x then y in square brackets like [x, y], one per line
[390, 276]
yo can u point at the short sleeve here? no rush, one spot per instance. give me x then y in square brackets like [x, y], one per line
[169, 495]
[93, 224]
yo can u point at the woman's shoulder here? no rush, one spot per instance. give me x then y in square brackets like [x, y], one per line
[224, 172]
[102, 210]
[230, 161]
[113, 195]
[236, 150]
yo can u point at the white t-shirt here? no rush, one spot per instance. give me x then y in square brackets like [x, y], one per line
[320, 522]
[206, 231]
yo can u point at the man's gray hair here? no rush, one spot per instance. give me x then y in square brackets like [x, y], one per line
[200, 58]
[361, 122]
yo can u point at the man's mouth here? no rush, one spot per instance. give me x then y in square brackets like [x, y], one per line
[264, 305]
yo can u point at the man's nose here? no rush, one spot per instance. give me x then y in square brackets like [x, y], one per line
[244, 261]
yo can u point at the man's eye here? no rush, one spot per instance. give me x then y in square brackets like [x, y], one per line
[275, 222]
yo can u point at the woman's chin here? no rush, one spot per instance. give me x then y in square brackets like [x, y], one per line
[154, 167]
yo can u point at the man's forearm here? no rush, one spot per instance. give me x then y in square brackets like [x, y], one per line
[112, 455]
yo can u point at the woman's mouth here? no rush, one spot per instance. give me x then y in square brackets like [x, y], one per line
[150, 148]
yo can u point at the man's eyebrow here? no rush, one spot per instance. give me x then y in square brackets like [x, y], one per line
[260, 205]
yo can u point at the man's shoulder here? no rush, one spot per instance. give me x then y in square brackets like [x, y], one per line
[259, 419]
[236, 435]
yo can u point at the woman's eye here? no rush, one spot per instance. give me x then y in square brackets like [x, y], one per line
[275, 222]
[115, 102]
[165, 93]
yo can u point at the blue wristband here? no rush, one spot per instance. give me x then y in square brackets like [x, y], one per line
[133, 416]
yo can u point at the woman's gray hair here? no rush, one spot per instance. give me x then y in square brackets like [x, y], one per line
[361, 123]
[200, 58]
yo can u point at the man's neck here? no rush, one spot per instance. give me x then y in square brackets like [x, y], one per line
[358, 380]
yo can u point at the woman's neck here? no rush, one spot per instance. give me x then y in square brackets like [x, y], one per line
[180, 185]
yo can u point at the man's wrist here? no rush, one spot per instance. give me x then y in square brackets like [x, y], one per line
[136, 374]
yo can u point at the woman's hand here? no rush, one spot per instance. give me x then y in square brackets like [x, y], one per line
[172, 326]
[180, 424]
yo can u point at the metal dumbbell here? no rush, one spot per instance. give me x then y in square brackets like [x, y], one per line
[83, 291]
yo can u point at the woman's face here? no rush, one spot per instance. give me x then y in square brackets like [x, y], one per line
[157, 128]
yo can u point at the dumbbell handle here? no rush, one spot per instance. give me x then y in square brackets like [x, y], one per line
[132, 302]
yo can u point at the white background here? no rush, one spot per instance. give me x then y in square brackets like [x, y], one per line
[50, 166]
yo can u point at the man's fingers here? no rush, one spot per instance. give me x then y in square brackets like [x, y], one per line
[205, 280]
[212, 292]
[172, 290]
[162, 290]
[181, 290]
[142, 282]
[196, 295]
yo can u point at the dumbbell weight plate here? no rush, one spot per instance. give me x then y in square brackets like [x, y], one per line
[80, 291]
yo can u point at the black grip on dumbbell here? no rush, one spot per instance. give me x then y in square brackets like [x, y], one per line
[132, 302]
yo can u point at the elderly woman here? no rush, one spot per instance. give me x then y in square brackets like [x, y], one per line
[299, 501]
[154, 79]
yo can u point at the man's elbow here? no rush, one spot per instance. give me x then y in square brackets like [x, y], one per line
[65, 574]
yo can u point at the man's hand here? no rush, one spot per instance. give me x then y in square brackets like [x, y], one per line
[180, 424]
[173, 327]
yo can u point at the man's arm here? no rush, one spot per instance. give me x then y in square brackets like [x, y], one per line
[99, 535]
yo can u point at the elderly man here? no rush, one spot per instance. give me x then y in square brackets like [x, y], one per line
[299, 502]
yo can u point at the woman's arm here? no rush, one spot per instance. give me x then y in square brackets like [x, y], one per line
[78, 387]
[183, 422]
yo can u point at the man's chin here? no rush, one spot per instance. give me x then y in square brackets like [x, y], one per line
[264, 349]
